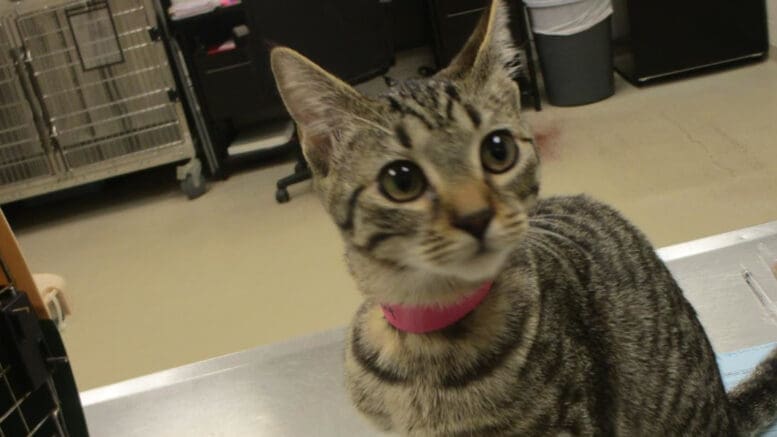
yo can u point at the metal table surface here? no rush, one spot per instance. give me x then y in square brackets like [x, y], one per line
[296, 388]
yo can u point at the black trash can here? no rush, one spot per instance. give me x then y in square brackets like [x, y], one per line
[577, 69]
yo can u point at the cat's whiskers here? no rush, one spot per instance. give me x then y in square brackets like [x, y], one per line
[554, 216]
[512, 215]
[574, 226]
[550, 233]
[442, 255]
[448, 253]
[437, 246]
[433, 237]
[543, 220]
[535, 242]
[557, 220]
[515, 223]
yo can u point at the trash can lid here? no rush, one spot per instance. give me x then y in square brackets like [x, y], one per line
[569, 18]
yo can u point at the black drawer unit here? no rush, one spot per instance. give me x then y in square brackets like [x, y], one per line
[661, 38]
[230, 86]
[227, 53]
[453, 22]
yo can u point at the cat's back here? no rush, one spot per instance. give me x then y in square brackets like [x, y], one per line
[601, 244]
[611, 260]
[642, 333]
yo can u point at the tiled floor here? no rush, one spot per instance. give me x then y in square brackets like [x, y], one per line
[158, 281]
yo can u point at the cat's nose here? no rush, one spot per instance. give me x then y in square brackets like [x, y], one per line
[475, 223]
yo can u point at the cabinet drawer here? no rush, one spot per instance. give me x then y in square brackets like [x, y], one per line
[231, 90]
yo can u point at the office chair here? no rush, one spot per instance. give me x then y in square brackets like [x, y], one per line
[301, 172]
[350, 38]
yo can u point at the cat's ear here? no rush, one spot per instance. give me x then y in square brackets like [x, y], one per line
[489, 50]
[318, 102]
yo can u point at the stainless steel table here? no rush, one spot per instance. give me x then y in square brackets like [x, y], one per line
[296, 388]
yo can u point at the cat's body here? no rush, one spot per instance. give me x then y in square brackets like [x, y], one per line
[434, 187]
[585, 333]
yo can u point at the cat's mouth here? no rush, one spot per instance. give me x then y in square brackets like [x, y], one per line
[482, 263]
[472, 259]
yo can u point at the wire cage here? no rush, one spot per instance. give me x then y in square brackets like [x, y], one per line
[98, 76]
[38, 396]
[25, 411]
[22, 154]
[103, 80]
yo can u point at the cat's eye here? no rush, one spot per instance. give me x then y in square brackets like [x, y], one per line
[402, 181]
[498, 151]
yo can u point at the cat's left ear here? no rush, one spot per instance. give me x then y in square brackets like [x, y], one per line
[490, 49]
[321, 105]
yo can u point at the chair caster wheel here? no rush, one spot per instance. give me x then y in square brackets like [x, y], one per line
[282, 195]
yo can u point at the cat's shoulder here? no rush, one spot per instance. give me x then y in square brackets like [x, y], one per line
[576, 204]
[586, 212]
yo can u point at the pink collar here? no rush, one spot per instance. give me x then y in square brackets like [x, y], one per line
[423, 319]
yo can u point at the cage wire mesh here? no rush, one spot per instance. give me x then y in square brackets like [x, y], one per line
[28, 406]
[103, 81]
[27, 412]
[22, 154]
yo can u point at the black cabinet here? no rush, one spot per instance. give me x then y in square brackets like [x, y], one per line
[227, 53]
[229, 82]
[659, 38]
[453, 22]
[350, 38]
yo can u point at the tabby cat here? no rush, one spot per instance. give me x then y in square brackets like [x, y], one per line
[488, 311]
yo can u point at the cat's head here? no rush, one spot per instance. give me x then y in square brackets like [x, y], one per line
[432, 181]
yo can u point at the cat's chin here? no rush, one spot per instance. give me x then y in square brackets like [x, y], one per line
[482, 266]
[423, 284]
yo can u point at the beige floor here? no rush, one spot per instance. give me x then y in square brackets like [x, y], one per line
[158, 281]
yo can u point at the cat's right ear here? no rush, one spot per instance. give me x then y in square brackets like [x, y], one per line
[489, 51]
[318, 102]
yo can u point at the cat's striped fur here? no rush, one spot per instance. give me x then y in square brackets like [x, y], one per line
[584, 333]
